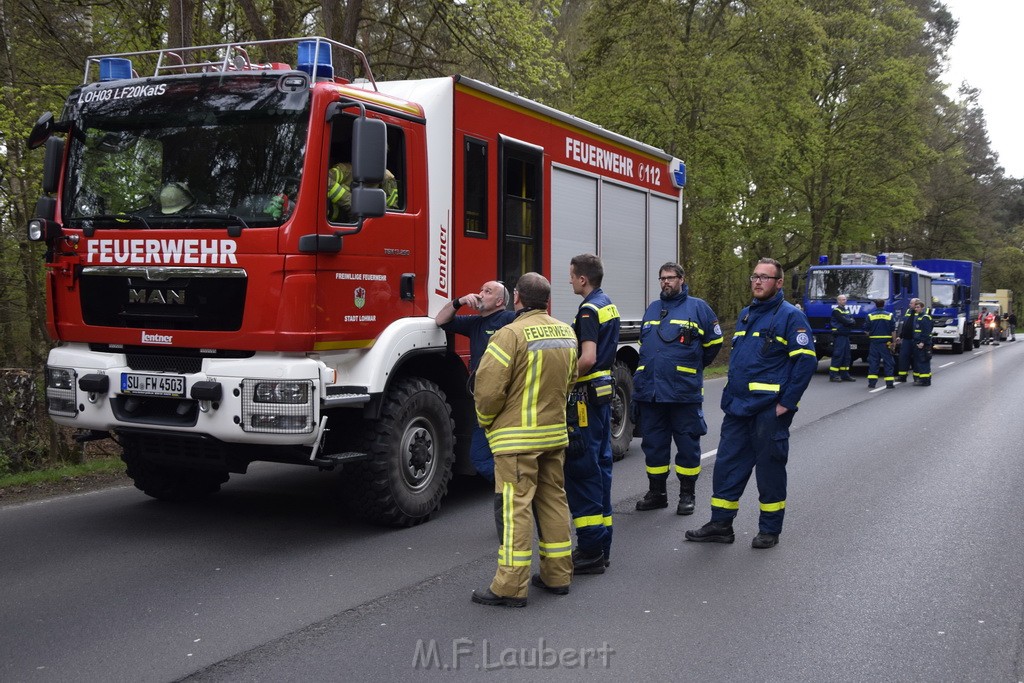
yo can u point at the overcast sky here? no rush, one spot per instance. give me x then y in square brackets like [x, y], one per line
[987, 54]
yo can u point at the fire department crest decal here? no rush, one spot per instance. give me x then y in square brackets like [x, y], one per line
[360, 297]
[802, 339]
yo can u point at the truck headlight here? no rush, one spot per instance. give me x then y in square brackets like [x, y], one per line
[278, 406]
[60, 391]
[281, 392]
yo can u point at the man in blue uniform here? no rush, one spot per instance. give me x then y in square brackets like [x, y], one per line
[880, 327]
[842, 325]
[771, 364]
[680, 336]
[905, 340]
[588, 470]
[922, 345]
[490, 316]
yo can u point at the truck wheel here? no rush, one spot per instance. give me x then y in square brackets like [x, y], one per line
[958, 347]
[622, 425]
[170, 483]
[412, 451]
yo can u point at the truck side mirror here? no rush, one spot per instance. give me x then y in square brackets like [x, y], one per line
[369, 150]
[41, 132]
[368, 202]
[51, 164]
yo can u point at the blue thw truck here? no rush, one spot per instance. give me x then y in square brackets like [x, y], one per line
[954, 303]
[863, 278]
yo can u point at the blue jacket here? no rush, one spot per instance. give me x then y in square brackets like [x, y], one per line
[880, 325]
[842, 321]
[923, 328]
[772, 358]
[597, 320]
[479, 329]
[679, 337]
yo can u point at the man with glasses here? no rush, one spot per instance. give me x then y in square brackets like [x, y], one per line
[770, 365]
[679, 337]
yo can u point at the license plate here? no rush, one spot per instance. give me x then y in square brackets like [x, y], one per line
[172, 386]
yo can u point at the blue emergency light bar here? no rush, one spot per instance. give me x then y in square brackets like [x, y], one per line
[823, 260]
[881, 259]
[315, 59]
[115, 68]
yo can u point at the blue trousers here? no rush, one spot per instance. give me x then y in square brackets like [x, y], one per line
[752, 443]
[906, 357]
[923, 364]
[663, 423]
[841, 357]
[480, 453]
[588, 480]
[879, 355]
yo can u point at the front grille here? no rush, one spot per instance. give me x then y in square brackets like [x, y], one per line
[161, 363]
[130, 300]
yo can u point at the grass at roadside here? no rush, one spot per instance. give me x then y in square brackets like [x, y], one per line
[111, 465]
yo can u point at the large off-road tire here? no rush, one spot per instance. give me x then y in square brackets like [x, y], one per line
[411, 451]
[168, 482]
[622, 425]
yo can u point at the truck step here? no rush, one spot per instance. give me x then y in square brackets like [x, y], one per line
[334, 459]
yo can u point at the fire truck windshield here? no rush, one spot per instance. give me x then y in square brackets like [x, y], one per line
[856, 283]
[185, 151]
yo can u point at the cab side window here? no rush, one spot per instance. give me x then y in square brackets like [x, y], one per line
[339, 171]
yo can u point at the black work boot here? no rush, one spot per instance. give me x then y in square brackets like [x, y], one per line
[656, 497]
[686, 499]
[587, 563]
[712, 532]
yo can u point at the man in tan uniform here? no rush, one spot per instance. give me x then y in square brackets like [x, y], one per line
[521, 388]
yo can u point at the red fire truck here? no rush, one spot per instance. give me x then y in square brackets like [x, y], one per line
[212, 307]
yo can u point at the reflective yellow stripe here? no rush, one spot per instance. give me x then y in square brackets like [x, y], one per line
[560, 549]
[606, 390]
[783, 340]
[607, 520]
[518, 558]
[725, 504]
[640, 367]
[663, 469]
[763, 386]
[531, 392]
[605, 313]
[773, 507]
[809, 352]
[508, 492]
[713, 342]
[589, 520]
[683, 368]
[879, 336]
[740, 333]
[499, 354]
[595, 375]
[688, 471]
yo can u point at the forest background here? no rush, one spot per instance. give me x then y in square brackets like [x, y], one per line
[808, 127]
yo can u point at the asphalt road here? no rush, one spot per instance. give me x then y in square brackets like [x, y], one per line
[901, 559]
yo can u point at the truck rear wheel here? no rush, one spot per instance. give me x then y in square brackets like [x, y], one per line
[168, 482]
[622, 425]
[412, 451]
